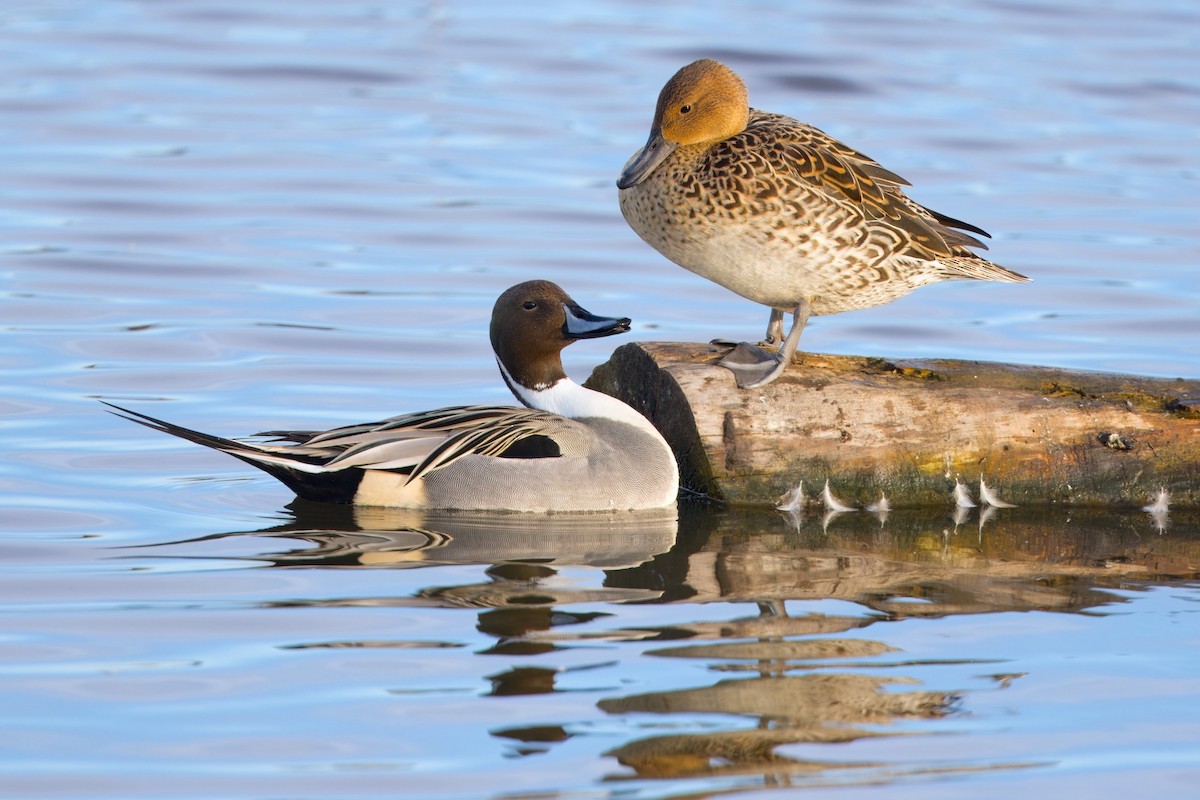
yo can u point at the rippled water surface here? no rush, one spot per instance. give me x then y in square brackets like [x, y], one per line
[251, 215]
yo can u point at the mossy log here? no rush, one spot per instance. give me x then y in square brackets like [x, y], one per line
[912, 430]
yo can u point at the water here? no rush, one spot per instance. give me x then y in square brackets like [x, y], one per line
[241, 216]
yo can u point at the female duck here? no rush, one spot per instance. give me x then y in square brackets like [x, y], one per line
[782, 214]
[572, 449]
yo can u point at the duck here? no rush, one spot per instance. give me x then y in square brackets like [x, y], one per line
[783, 214]
[567, 449]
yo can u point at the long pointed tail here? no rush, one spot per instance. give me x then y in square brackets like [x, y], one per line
[233, 448]
[303, 474]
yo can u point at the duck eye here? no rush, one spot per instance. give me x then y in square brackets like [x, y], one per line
[529, 305]
[686, 108]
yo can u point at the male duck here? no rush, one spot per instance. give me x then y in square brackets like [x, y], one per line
[782, 214]
[572, 449]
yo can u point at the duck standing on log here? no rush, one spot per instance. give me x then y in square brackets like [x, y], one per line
[782, 214]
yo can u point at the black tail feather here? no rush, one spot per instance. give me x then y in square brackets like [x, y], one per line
[329, 487]
[207, 439]
[951, 222]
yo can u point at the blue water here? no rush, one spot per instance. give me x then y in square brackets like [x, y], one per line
[290, 214]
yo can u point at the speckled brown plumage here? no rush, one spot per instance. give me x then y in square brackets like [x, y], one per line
[780, 212]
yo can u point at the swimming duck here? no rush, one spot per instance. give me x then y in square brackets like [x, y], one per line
[570, 449]
[782, 214]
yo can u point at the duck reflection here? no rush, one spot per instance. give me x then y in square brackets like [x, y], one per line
[811, 709]
[523, 594]
[822, 707]
[799, 680]
[350, 536]
[778, 678]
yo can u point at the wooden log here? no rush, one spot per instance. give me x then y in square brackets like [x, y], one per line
[913, 429]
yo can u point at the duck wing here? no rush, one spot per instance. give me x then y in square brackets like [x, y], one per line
[422, 443]
[802, 159]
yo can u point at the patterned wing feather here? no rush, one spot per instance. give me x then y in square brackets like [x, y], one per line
[491, 439]
[857, 184]
[420, 443]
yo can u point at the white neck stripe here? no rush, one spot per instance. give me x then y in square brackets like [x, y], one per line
[568, 399]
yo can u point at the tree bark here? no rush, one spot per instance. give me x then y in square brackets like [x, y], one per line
[912, 430]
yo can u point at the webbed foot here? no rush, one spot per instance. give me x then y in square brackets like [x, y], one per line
[751, 365]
